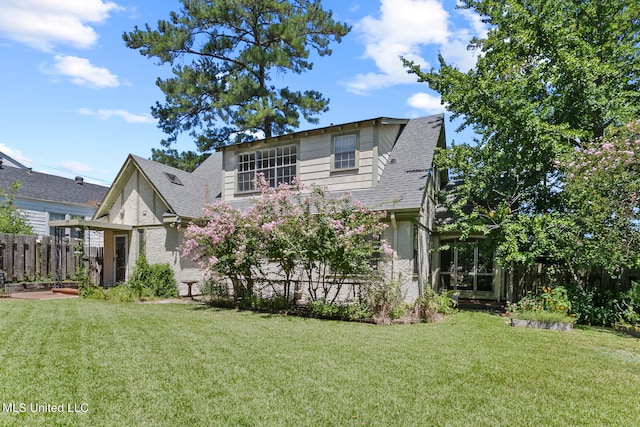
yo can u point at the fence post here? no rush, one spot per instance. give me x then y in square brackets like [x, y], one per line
[19, 258]
[30, 260]
[3, 251]
[8, 259]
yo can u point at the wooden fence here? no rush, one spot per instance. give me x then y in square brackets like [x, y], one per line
[34, 259]
[519, 280]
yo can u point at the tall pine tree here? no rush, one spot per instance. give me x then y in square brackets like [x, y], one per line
[223, 55]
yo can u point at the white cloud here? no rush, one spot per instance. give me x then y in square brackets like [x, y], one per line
[74, 167]
[124, 115]
[480, 29]
[43, 24]
[405, 28]
[401, 29]
[15, 154]
[425, 102]
[81, 72]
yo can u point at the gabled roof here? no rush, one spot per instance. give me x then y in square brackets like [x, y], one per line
[405, 176]
[51, 188]
[184, 193]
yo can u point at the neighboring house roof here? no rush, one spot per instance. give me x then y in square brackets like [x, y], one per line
[51, 188]
[405, 176]
[184, 193]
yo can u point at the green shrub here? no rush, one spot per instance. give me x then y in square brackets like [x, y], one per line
[354, 311]
[398, 312]
[432, 306]
[550, 299]
[384, 297]
[343, 311]
[323, 309]
[120, 293]
[275, 303]
[606, 308]
[158, 278]
[163, 283]
[93, 292]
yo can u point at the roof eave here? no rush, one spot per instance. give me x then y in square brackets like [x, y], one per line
[90, 224]
[318, 131]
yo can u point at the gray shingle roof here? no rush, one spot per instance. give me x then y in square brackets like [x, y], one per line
[403, 181]
[52, 188]
[211, 170]
[187, 195]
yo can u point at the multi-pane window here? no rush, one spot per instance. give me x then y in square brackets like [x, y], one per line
[344, 151]
[466, 266]
[278, 165]
[246, 171]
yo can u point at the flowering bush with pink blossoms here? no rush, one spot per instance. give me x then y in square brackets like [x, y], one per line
[287, 241]
[603, 193]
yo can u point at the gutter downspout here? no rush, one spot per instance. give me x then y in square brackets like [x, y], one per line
[394, 225]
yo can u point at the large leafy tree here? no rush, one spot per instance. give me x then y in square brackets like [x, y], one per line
[550, 75]
[224, 54]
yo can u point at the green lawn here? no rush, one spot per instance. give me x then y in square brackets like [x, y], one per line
[180, 365]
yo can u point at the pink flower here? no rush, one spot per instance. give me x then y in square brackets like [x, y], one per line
[386, 248]
[268, 227]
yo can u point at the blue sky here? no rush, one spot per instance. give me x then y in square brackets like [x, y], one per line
[76, 100]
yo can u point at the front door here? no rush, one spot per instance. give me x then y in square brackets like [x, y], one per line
[120, 258]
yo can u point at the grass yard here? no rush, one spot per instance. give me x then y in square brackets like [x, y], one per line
[124, 364]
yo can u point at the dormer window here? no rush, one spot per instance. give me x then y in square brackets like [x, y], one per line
[278, 165]
[345, 148]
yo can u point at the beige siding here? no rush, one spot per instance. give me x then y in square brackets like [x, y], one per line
[386, 139]
[315, 160]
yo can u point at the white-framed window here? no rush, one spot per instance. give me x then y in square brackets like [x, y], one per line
[345, 149]
[278, 165]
